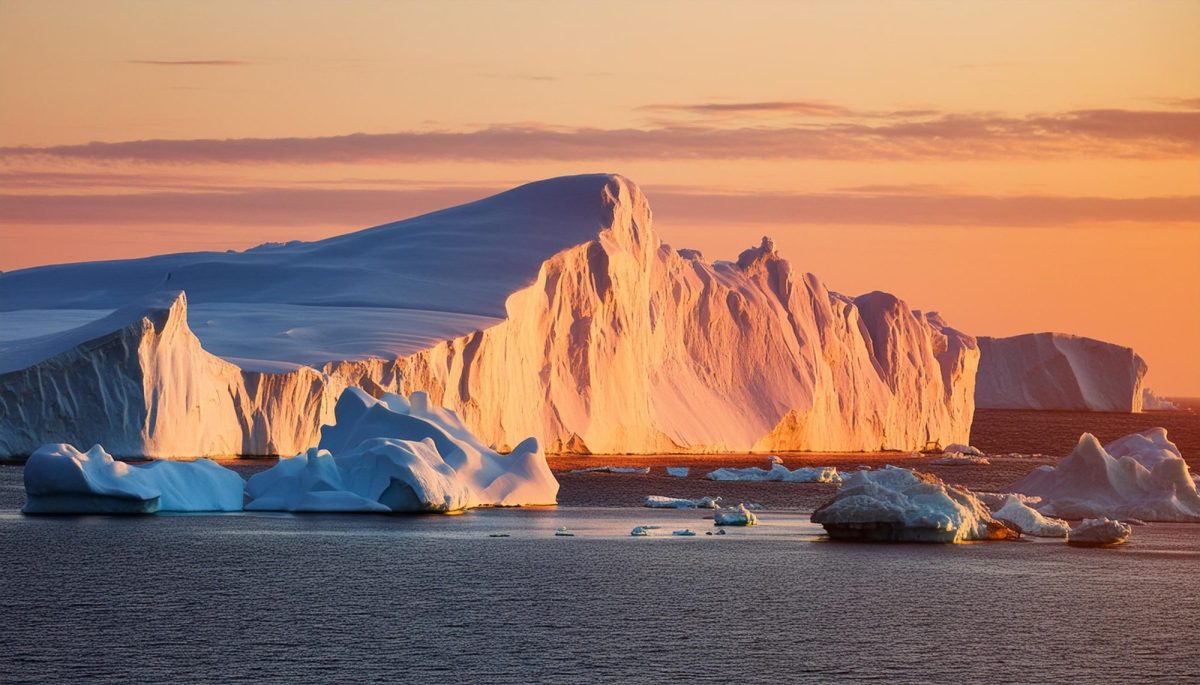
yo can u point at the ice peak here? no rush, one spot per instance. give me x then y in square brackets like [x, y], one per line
[754, 255]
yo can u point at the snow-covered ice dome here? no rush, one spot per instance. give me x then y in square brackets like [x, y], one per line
[402, 455]
[60, 479]
[1141, 476]
[900, 505]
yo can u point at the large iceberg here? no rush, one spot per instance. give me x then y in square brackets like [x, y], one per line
[401, 455]
[552, 310]
[1058, 371]
[1140, 476]
[60, 479]
[899, 505]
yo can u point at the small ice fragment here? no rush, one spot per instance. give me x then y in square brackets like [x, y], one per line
[564, 533]
[686, 532]
[677, 471]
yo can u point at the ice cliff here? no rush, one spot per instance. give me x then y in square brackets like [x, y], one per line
[551, 310]
[1058, 371]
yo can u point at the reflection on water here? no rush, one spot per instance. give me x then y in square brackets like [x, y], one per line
[241, 598]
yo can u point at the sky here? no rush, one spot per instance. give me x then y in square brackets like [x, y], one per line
[1015, 166]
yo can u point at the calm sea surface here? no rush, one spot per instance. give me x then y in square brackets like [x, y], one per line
[324, 598]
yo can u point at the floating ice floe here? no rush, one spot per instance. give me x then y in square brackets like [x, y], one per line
[60, 479]
[678, 471]
[734, 516]
[959, 459]
[960, 448]
[564, 532]
[899, 505]
[660, 502]
[1139, 476]
[779, 473]
[686, 532]
[1099, 532]
[401, 455]
[1028, 520]
[637, 470]
[640, 532]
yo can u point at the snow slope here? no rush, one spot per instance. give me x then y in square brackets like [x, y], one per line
[1058, 371]
[551, 310]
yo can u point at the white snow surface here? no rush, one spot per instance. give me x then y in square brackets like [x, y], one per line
[1058, 371]
[507, 310]
[1029, 520]
[901, 505]
[402, 455]
[779, 473]
[1139, 476]
[1099, 532]
[60, 479]
[660, 502]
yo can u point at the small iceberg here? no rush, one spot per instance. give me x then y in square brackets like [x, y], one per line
[735, 516]
[660, 502]
[1099, 532]
[60, 479]
[900, 505]
[686, 533]
[960, 448]
[678, 471]
[637, 470]
[563, 532]
[1141, 476]
[778, 473]
[640, 532]
[960, 459]
[1028, 520]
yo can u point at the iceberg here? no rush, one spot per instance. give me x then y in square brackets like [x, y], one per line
[396, 454]
[899, 505]
[960, 448]
[60, 479]
[1141, 476]
[660, 502]
[734, 516]
[1099, 532]
[1028, 520]
[959, 459]
[678, 471]
[1058, 371]
[1154, 402]
[778, 472]
[632, 470]
[552, 310]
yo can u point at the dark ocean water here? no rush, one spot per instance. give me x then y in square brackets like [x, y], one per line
[324, 598]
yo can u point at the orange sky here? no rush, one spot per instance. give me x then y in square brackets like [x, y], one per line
[1016, 166]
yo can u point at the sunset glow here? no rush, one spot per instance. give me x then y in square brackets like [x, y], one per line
[1016, 171]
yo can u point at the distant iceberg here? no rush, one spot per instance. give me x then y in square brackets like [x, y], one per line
[778, 472]
[899, 505]
[677, 471]
[960, 459]
[735, 516]
[1141, 476]
[660, 502]
[60, 479]
[401, 455]
[634, 470]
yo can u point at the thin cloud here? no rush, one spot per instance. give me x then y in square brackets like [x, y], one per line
[1112, 133]
[674, 205]
[190, 62]
[812, 108]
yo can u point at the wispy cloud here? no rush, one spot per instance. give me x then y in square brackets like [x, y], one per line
[190, 62]
[1136, 134]
[356, 207]
[814, 108]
